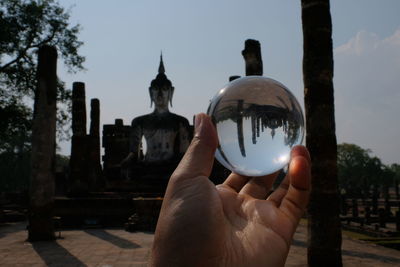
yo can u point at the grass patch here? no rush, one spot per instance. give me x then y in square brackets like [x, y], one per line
[356, 235]
[390, 242]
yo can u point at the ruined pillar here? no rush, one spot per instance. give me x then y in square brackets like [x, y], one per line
[41, 226]
[354, 208]
[388, 206]
[375, 195]
[239, 126]
[79, 143]
[116, 148]
[367, 215]
[252, 57]
[382, 218]
[94, 174]
[78, 109]
[95, 120]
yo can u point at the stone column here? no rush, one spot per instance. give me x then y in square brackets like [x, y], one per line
[367, 215]
[375, 195]
[41, 226]
[354, 208]
[382, 218]
[252, 57]
[78, 109]
[398, 221]
[79, 143]
[95, 119]
[239, 127]
[94, 149]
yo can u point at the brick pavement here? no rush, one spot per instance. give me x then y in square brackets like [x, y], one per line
[355, 253]
[118, 248]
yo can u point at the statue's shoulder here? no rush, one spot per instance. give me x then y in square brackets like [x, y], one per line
[138, 121]
[180, 119]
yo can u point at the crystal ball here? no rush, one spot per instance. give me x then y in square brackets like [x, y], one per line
[258, 121]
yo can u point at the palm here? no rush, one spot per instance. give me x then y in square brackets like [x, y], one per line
[255, 224]
[237, 226]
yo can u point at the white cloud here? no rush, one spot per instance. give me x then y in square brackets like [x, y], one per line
[362, 43]
[367, 93]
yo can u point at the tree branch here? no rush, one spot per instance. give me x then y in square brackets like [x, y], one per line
[47, 40]
[30, 46]
[21, 54]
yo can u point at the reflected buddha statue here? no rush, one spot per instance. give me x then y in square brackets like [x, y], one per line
[166, 135]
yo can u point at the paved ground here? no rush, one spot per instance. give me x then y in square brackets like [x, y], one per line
[355, 253]
[114, 248]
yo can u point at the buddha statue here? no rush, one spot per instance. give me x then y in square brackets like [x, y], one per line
[167, 135]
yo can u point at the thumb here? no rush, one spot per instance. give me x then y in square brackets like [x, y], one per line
[199, 157]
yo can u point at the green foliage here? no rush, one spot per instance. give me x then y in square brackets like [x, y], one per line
[15, 170]
[15, 125]
[396, 171]
[358, 171]
[25, 25]
[62, 162]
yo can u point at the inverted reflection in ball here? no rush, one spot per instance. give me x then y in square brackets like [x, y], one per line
[258, 121]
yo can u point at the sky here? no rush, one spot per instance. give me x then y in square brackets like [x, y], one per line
[201, 43]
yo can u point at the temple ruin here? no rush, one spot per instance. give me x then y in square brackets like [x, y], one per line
[130, 181]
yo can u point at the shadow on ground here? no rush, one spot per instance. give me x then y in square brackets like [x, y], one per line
[52, 254]
[9, 228]
[113, 239]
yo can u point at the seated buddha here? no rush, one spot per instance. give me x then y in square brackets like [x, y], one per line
[167, 135]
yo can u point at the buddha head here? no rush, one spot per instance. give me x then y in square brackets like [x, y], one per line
[161, 89]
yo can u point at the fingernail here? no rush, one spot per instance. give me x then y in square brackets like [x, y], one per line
[198, 124]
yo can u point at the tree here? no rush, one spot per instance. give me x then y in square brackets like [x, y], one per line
[26, 25]
[324, 241]
[354, 167]
[359, 172]
[396, 170]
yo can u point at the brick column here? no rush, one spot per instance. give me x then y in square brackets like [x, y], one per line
[41, 206]
[79, 144]
[252, 57]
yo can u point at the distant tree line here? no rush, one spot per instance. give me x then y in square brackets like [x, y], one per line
[361, 174]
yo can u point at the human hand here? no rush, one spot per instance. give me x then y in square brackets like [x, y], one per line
[232, 224]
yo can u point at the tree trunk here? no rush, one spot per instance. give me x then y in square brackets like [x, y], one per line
[41, 225]
[324, 240]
